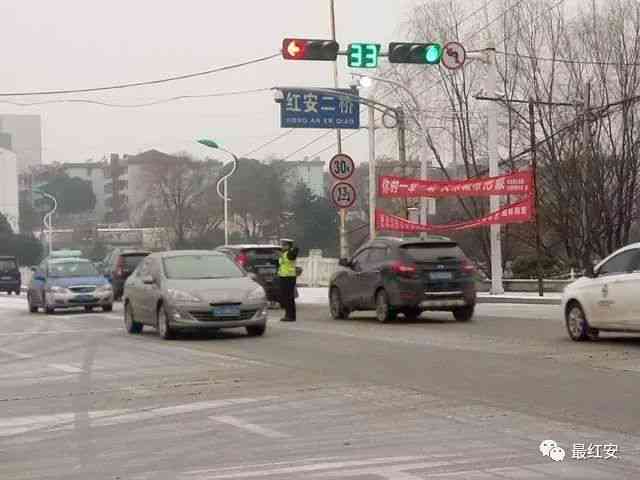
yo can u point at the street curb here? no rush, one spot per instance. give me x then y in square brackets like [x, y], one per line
[519, 301]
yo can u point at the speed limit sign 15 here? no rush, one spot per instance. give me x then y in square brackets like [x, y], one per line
[341, 166]
[343, 195]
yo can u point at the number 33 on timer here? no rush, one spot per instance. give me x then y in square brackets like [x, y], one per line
[363, 55]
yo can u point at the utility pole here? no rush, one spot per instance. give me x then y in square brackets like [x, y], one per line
[586, 179]
[534, 168]
[373, 180]
[402, 150]
[497, 287]
[344, 247]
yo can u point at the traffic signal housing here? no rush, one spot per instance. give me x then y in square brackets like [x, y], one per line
[309, 49]
[417, 53]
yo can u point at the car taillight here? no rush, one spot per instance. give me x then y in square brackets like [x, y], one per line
[242, 260]
[120, 267]
[403, 270]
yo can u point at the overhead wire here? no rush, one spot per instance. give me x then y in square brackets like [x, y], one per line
[567, 60]
[270, 142]
[143, 83]
[137, 105]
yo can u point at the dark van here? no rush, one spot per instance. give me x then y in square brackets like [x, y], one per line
[10, 278]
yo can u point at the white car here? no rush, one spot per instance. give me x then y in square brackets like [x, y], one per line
[608, 300]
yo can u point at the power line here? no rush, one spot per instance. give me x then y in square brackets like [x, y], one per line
[346, 137]
[144, 83]
[273, 140]
[567, 60]
[138, 105]
[305, 146]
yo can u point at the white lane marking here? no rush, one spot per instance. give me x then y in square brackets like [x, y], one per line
[176, 410]
[316, 467]
[22, 356]
[236, 422]
[60, 332]
[17, 425]
[65, 367]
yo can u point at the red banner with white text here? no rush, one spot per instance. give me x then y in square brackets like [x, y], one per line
[518, 212]
[518, 183]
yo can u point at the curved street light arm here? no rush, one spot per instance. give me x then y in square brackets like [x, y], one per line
[228, 175]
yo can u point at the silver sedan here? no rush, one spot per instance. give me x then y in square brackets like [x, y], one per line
[195, 290]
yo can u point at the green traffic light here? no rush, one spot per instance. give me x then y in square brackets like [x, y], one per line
[433, 53]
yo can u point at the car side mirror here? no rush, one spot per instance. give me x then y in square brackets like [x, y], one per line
[148, 280]
[33, 269]
[344, 262]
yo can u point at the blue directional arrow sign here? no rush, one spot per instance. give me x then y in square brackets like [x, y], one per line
[302, 108]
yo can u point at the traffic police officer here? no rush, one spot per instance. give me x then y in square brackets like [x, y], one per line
[287, 273]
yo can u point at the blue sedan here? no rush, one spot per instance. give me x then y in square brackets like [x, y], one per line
[61, 283]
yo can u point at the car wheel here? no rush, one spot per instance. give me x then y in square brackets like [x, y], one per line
[32, 307]
[463, 314]
[9, 292]
[130, 323]
[384, 312]
[108, 308]
[412, 314]
[577, 324]
[256, 330]
[338, 310]
[49, 310]
[164, 330]
[17, 292]
[88, 309]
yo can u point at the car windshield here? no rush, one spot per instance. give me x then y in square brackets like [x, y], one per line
[7, 265]
[72, 269]
[197, 267]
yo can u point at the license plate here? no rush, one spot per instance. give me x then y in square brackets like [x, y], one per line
[85, 298]
[6, 278]
[226, 311]
[440, 275]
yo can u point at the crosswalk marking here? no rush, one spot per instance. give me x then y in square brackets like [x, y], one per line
[239, 423]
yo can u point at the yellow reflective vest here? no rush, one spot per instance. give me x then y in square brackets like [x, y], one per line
[286, 267]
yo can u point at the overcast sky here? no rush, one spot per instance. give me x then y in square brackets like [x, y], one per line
[77, 43]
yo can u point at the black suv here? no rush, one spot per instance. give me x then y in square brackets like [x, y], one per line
[10, 278]
[403, 275]
[118, 265]
[262, 260]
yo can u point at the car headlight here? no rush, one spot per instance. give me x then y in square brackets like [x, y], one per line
[181, 296]
[57, 289]
[257, 295]
[104, 288]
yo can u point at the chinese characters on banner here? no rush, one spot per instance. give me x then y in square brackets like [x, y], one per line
[518, 183]
[518, 212]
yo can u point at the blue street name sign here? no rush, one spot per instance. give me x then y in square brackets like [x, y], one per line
[308, 109]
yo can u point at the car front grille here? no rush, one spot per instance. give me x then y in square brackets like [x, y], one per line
[210, 317]
[87, 289]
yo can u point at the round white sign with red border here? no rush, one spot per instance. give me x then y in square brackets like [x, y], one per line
[341, 167]
[343, 195]
[453, 55]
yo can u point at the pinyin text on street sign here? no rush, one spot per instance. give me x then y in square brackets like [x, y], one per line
[308, 109]
[341, 166]
[343, 195]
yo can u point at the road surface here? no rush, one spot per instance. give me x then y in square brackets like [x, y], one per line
[320, 399]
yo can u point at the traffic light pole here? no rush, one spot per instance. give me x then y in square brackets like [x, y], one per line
[344, 241]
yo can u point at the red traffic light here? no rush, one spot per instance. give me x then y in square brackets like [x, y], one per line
[309, 49]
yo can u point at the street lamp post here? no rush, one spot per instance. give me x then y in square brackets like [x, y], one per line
[48, 218]
[224, 181]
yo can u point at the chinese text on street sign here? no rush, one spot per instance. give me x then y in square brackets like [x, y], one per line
[307, 109]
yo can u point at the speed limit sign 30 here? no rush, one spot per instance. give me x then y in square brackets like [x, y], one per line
[341, 166]
[343, 195]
